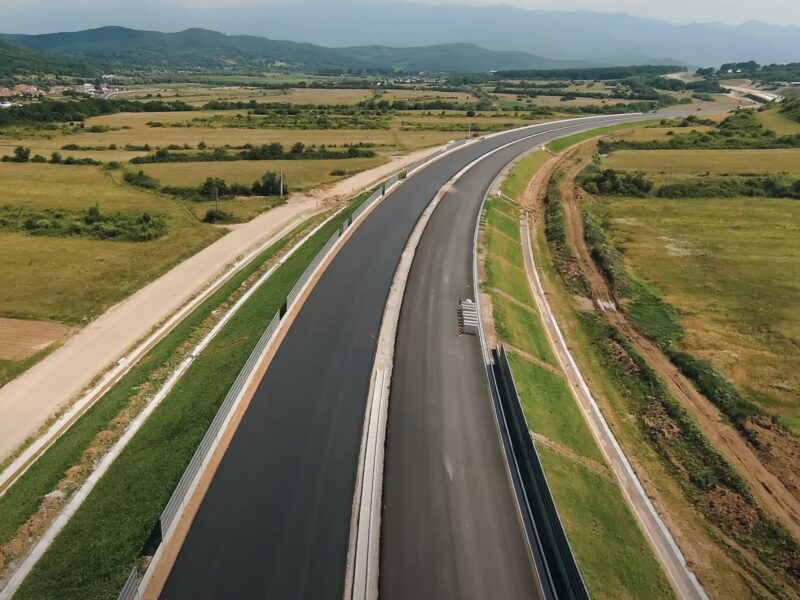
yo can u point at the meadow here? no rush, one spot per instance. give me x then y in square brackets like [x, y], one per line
[705, 162]
[72, 280]
[779, 123]
[729, 267]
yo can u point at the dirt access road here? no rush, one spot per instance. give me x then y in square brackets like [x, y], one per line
[773, 478]
[30, 400]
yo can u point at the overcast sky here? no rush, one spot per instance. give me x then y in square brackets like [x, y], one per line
[45, 15]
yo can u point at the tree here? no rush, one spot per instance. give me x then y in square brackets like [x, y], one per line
[214, 187]
[55, 158]
[202, 146]
[22, 154]
[268, 185]
[298, 148]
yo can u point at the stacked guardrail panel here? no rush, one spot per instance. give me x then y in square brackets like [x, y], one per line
[565, 577]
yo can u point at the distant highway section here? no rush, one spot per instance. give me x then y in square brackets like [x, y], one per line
[276, 518]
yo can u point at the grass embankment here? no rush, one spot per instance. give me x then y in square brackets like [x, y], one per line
[592, 508]
[764, 555]
[94, 553]
[772, 118]
[562, 144]
[24, 497]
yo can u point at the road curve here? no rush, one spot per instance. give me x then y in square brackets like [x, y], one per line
[451, 527]
[275, 520]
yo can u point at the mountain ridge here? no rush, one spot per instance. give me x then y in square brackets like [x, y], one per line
[199, 47]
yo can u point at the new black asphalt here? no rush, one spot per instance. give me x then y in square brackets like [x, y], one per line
[276, 518]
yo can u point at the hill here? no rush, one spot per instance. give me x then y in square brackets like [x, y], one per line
[20, 62]
[211, 50]
[570, 35]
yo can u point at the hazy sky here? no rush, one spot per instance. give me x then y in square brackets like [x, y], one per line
[19, 15]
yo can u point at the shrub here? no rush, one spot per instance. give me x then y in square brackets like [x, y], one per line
[217, 216]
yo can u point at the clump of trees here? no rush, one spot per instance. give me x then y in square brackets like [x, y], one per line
[273, 151]
[611, 182]
[213, 188]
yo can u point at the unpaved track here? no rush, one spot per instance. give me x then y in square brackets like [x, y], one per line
[770, 491]
[28, 401]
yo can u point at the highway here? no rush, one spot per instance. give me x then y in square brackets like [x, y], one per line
[451, 527]
[275, 520]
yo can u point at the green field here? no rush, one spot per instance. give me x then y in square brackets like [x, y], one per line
[551, 410]
[74, 279]
[729, 267]
[613, 557]
[518, 178]
[701, 162]
[777, 122]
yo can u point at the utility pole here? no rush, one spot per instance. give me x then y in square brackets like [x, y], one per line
[469, 133]
[281, 183]
[216, 196]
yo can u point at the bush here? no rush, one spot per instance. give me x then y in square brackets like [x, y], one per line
[269, 185]
[90, 224]
[141, 179]
[217, 216]
[612, 182]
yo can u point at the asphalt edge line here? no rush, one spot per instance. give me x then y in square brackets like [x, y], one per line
[623, 470]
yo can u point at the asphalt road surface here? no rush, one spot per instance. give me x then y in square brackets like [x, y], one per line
[275, 520]
[451, 527]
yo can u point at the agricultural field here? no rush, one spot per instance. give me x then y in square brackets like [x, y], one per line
[703, 162]
[72, 279]
[729, 266]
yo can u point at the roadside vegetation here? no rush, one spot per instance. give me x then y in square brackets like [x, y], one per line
[637, 261]
[96, 550]
[584, 487]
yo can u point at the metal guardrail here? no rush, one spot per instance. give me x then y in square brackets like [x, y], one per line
[179, 495]
[292, 297]
[565, 577]
[130, 591]
[367, 203]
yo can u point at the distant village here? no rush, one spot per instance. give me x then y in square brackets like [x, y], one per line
[9, 96]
